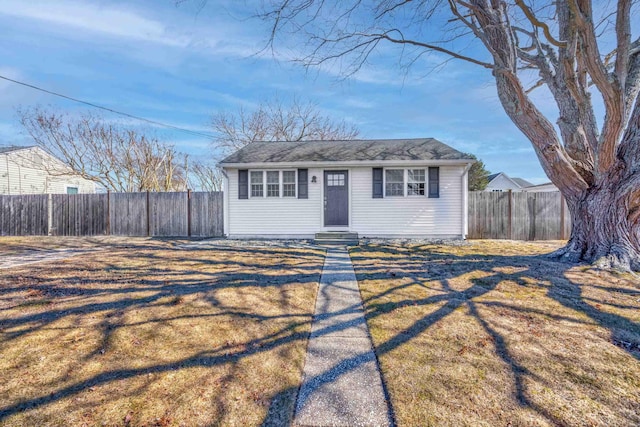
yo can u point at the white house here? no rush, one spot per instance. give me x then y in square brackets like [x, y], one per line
[546, 187]
[502, 182]
[413, 188]
[31, 170]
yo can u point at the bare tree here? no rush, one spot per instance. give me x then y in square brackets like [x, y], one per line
[578, 51]
[272, 121]
[206, 176]
[117, 159]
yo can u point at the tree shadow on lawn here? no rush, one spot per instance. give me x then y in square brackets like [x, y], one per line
[477, 278]
[112, 288]
[411, 268]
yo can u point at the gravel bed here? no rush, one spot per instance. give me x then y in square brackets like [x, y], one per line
[405, 241]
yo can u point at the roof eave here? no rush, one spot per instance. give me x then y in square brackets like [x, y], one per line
[362, 163]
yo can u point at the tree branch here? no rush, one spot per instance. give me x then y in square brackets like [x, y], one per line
[537, 23]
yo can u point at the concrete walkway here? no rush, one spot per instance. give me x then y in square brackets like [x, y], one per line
[341, 385]
[32, 256]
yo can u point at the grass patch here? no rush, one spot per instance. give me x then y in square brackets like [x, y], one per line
[493, 333]
[15, 246]
[156, 335]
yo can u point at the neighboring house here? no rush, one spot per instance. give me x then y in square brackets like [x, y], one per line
[31, 170]
[546, 187]
[376, 188]
[502, 182]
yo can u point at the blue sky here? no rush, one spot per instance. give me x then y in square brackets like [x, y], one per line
[179, 65]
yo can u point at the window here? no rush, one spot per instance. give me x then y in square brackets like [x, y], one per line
[406, 182]
[394, 182]
[289, 184]
[415, 182]
[257, 184]
[335, 180]
[273, 184]
[72, 189]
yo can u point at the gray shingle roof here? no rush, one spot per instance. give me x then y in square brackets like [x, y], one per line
[523, 183]
[341, 151]
[493, 176]
[9, 148]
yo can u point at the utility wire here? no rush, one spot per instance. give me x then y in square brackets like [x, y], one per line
[108, 109]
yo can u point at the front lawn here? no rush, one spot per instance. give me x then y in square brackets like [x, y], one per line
[494, 334]
[151, 334]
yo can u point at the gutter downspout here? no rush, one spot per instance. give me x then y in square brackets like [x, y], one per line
[6, 158]
[465, 201]
[225, 204]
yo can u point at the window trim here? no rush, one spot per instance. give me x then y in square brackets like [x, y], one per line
[68, 186]
[425, 182]
[280, 183]
[384, 182]
[405, 182]
[295, 183]
[264, 187]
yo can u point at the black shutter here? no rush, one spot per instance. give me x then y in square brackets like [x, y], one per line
[303, 183]
[377, 183]
[243, 184]
[434, 182]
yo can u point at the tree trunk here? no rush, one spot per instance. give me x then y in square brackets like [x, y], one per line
[604, 230]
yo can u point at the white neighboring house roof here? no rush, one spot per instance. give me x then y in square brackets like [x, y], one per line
[517, 184]
[547, 186]
[10, 148]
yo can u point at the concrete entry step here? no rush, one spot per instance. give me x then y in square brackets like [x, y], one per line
[337, 238]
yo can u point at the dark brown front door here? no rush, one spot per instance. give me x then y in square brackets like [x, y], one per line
[336, 198]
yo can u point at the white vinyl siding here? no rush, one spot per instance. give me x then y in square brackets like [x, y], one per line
[502, 183]
[274, 216]
[31, 171]
[407, 216]
[410, 217]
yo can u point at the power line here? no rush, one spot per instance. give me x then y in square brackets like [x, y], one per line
[107, 109]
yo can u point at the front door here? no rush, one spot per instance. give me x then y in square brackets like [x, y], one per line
[336, 198]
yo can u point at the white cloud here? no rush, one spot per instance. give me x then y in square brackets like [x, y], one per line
[111, 21]
[78, 18]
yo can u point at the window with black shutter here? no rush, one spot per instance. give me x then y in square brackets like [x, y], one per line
[377, 183]
[243, 184]
[434, 182]
[303, 183]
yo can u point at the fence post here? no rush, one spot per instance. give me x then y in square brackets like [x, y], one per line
[148, 216]
[510, 221]
[108, 213]
[562, 235]
[188, 212]
[49, 214]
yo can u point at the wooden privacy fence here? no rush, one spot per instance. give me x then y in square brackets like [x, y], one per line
[180, 214]
[518, 216]
[24, 215]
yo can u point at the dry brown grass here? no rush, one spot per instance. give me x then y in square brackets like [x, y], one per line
[12, 246]
[156, 336]
[493, 334]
